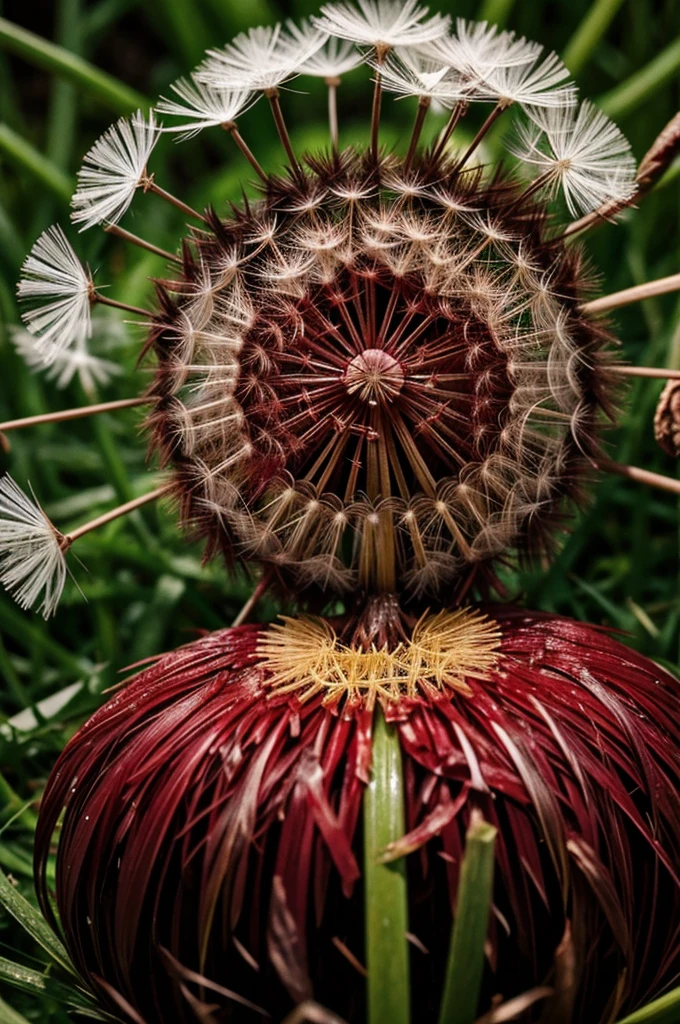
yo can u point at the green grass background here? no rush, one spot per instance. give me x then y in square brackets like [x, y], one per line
[142, 587]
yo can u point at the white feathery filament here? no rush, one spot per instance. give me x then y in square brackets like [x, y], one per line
[32, 562]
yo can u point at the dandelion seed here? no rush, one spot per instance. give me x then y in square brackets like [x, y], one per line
[203, 106]
[583, 152]
[409, 73]
[529, 84]
[335, 58]
[476, 48]
[382, 24]
[60, 291]
[66, 364]
[113, 170]
[32, 562]
[259, 60]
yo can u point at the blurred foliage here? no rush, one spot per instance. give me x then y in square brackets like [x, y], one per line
[143, 588]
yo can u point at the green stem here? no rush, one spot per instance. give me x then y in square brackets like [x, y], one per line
[88, 78]
[496, 11]
[588, 34]
[24, 155]
[13, 806]
[473, 904]
[385, 884]
[64, 98]
[662, 1011]
[644, 83]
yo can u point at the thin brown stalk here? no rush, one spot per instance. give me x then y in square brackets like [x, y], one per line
[273, 97]
[103, 300]
[589, 220]
[458, 112]
[72, 414]
[423, 107]
[380, 54]
[535, 186]
[245, 149]
[333, 84]
[656, 372]
[127, 236]
[149, 185]
[114, 513]
[636, 294]
[493, 116]
[642, 476]
[257, 593]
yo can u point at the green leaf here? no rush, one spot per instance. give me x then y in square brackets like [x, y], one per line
[32, 921]
[91, 80]
[665, 1010]
[10, 1016]
[627, 96]
[22, 977]
[69, 997]
[385, 884]
[466, 952]
[588, 34]
[26, 157]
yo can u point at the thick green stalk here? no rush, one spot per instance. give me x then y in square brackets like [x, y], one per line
[588, 34]
[496, 11]
[89, 79]
[473, 905]
[64, 98]
[25, 156]
[385, 884]
[665, 1010]
[644, 83]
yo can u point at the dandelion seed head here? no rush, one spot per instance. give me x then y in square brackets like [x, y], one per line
[580, 151]
[202, 107]
[91, 370]
[32, 562]
[57, 291]
[382, 360]
[376, 373]
[381, 24]
[262, 58]
[113, 170]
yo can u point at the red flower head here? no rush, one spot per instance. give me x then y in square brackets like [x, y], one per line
[211, 823]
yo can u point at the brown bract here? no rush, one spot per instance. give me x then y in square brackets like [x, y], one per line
[378, 379]
[210, 848]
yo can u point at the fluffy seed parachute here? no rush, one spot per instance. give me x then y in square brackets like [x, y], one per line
[379, 377]
[209, 847]
[381, 371]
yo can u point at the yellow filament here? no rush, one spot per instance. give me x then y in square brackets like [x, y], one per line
[304, 656]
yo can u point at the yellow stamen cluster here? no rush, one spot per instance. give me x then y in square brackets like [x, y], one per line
[305, 656]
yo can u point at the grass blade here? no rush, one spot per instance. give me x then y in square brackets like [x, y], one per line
[588, 34]
[10, 1016]
[665, 1010]
[496, 12]
[32, 921]
[91, 80]
[466, 952]
[385, 884]
[644, 83]
[21, 153]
